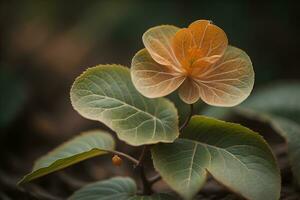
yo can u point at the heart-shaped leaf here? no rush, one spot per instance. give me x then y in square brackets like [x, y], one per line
[82, 147]
[234, 155]
[106, 93]
[120, 188]
[279, 105]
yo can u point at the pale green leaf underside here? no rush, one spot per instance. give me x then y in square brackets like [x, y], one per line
[281, 99]
[82, 147]
[234, 155]
[117, 188]
[106, 93]
[279, 105]
[291, 131]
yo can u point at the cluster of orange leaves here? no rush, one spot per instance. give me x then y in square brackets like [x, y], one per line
[197, 61]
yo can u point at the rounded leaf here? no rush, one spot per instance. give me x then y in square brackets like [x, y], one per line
[105, 93]
[152, 79]
[189, 91]
[229, 81]
[209, 37]
[158, 42]
[234, 155]
[202, 42]
[121, 188]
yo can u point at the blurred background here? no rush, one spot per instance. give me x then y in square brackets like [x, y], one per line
[45, 45]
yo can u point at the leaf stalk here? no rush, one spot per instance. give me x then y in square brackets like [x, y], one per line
[187, 120]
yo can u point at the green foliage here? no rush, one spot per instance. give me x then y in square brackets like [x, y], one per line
[291, 132]
[281, 99]
[106, 93]
[82, 147]
[279, 106]
[120, 188]
[234, 155]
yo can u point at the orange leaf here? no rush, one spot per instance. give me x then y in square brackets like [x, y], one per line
[229, 81]
[157, 41]
[211, 39]
[189, 91]
[152, 79]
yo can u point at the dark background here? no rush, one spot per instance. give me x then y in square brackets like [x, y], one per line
[44, 45]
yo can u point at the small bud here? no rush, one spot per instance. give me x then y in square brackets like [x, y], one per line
[116, 160]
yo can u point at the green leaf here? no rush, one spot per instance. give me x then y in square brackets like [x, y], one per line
[106, 93]
[291, 132]
[279, 106]
[281, 99]
[82, 147]
[119, 188]
[234, 155]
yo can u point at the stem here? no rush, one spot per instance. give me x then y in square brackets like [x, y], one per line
[146, 184]
[154, 179]
[186, 122]
[130, 158]
[142, 156]
[138, 166]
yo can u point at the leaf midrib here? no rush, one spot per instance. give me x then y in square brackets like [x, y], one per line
[218, 149]
[124, 103]
[214, 147]
[114, 98]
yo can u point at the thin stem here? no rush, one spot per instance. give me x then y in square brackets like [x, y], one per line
[140, 167]
[154, 179]
[146, 185]
[130, 158]
[142, 156]
[186, 122]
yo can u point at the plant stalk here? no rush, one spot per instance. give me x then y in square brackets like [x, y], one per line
[140, 167]
[138, 164]
[154, 179]
[187, 120]
[146, 184]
